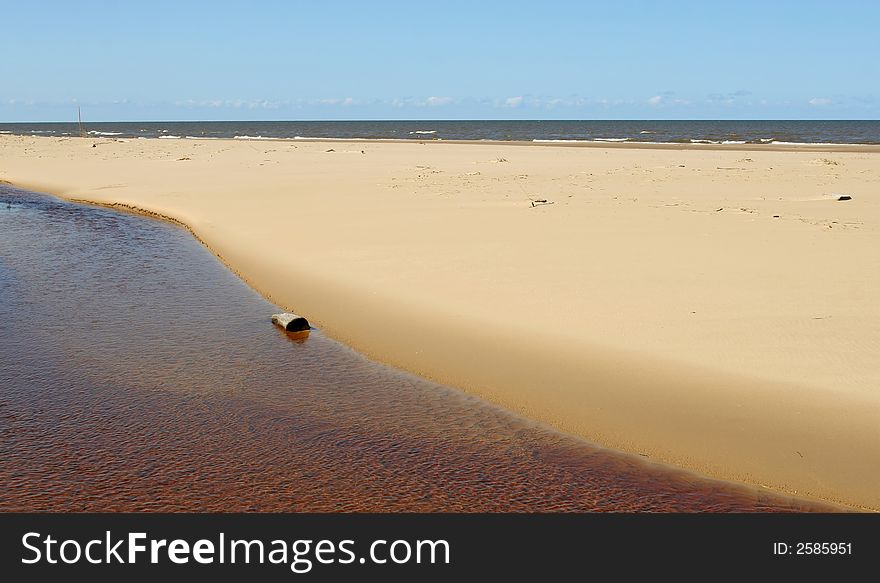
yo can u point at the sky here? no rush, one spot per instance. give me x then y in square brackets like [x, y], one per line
[450, 59]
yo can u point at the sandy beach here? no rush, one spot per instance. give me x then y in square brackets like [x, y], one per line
[711, 308]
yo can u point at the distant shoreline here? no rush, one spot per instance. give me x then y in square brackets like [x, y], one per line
[770, 147]
[782, 134]
[857, 148]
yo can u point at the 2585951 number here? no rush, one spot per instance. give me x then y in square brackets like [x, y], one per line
[823, 548]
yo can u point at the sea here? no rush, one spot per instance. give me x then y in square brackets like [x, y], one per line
[660, 131]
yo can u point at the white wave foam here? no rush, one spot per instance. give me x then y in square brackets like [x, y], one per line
[697, 141]
[595, 141]
[169, 137]
[97, 133]
[647, 132]
[254, 138]
[424, 132]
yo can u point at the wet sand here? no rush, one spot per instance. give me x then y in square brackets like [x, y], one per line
[140, 375]
[711, 308]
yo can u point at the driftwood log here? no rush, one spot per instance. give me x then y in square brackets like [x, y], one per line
[290, 322]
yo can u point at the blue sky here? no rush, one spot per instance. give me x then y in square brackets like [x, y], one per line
[440, 60]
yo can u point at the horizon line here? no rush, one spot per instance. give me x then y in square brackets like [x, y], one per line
[402, 120]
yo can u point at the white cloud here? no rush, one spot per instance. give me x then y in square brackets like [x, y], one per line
[432, 101]
[263, 104]
[227, 103]
[336, 101]
[656, 100]
[513, 101]
[820, 101]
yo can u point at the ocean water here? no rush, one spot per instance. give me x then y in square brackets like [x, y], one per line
[710, 132]
[137, 373]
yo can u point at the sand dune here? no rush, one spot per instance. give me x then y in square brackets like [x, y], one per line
[713, 308]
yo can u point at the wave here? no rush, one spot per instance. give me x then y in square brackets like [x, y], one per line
[254, 138]
[97, 133]
[424, 132]
[699, 141]
[169, 137]
[567, 141]
[637, 141]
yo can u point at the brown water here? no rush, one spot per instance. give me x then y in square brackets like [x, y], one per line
[137, 373]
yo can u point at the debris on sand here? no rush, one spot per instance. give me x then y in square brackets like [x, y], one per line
[825, 161]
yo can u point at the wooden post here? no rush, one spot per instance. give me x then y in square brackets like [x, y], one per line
[79, 117]
[290, 322]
